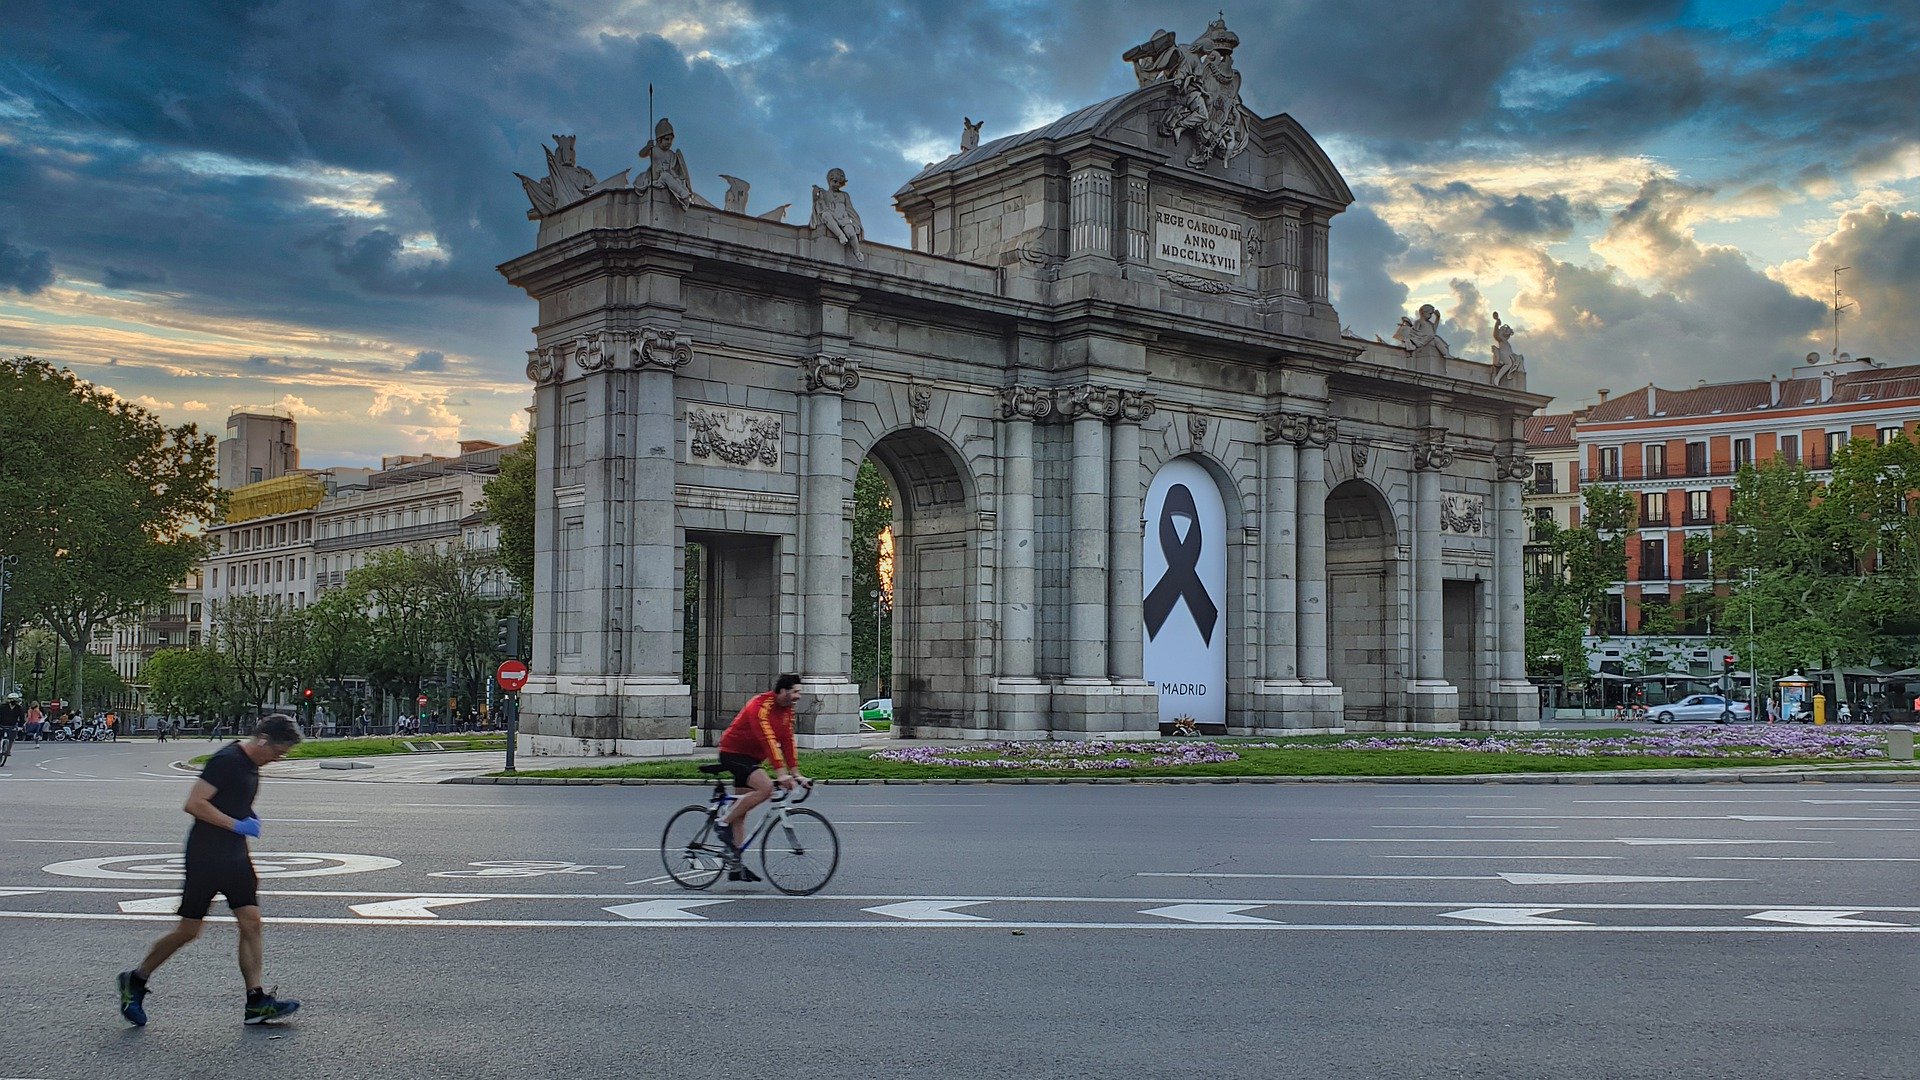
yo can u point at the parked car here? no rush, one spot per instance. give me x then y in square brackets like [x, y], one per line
[1702, 707]
[880, 708]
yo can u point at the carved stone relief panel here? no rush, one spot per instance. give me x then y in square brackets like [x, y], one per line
[1463, 514]
[733, 438]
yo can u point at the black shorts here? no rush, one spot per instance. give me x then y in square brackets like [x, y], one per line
[741, 765]
[227, 875]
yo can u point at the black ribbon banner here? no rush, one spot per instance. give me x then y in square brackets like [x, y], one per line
[1182, 579]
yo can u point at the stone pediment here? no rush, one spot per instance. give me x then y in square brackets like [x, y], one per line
[1280, 154]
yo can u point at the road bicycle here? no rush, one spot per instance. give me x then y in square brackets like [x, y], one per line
[798, 847]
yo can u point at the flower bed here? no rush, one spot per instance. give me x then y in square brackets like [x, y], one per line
[1089, 756]
[1715, 741]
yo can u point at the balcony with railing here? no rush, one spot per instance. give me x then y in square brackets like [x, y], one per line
[1814, 461]
[1696, 517]
[1653, 571]
[1654, 521]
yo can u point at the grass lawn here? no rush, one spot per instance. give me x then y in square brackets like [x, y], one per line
[1317, 755]
[383, 745]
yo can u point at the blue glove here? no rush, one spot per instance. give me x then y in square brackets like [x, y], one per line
[247, 826]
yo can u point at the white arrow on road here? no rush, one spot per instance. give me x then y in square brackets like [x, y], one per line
[1596, 879]
[1817, 918]
[1216, 914]
[929, 911]
[1811, 817]
[162, 905]
[413, 907]
[1669, 841]
[1501, 916]
[664, 910]
[18, 892]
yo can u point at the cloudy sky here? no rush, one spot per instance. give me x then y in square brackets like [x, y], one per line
[300, 204]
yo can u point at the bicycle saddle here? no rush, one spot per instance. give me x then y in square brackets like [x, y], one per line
[713, 768]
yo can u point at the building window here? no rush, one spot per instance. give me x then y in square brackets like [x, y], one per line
[1888, 434]
[1836, 440]
[303, 566]
[1742, 453]
[1543, 478]
[1653, 560]
[1656, 460]
[216, 577]
[1790, 449]
[1653, 508]
[1609, 463]
[1699, 511]
[254, 476]
[193, 610]
[1694, 564]
[1696, 459]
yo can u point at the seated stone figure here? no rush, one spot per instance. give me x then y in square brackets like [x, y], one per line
[668, 168]
[833, 211]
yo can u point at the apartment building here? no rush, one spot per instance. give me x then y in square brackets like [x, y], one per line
[412, 502]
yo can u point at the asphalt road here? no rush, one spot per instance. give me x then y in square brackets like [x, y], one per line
[1763, 931]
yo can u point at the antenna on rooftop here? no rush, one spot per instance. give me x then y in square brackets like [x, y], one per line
[1838, 307]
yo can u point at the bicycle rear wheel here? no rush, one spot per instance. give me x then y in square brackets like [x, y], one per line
[692, 852]
[798, 855]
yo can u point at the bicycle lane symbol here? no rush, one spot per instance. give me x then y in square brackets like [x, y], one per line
[152, 866]
[524, 868]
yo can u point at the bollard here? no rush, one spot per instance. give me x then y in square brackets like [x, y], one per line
[1900, 744]
[1819, 708]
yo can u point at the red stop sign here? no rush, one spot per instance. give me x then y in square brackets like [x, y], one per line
[512, 675]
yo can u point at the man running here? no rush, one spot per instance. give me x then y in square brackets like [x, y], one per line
[763, 731]
[221, 804]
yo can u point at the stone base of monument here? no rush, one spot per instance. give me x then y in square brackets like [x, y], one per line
[581, 716]
[1432, 706]
[1512, 706]
[1018, 713]
[1088, 709]
[828, 716]
[1290, 707]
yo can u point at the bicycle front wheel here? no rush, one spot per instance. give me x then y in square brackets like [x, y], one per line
[691, 850]
[799, 852]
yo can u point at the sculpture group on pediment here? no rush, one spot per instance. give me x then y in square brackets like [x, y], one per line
[833, 211]
[1422, 330]
[1506, 362]
[1207, 90]
[566, 182]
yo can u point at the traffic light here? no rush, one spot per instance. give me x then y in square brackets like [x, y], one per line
[306, 696]
[507, 636]
[1728, 661]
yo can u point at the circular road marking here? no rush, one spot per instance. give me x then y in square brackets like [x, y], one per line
[278, 864]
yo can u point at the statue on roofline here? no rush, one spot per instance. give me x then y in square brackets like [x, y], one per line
[1207, 101]
[667, 168]
[833, 211]
[566, 182]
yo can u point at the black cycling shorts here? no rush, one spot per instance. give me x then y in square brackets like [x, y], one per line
[742, 766]
[225, 875]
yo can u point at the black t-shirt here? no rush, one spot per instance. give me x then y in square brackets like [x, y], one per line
[12, 714]
[236, 779]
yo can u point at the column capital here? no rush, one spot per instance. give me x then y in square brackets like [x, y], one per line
[1026, 403]
[1301, 429]
[600, 350]
[829, 373]
[1090, 401]
[1515, 466]
[1432, 454]
[1136, 406]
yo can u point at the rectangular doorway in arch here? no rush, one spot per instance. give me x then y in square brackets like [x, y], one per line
[736, 611]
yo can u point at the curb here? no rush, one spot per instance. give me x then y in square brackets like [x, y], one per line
[1905, 776]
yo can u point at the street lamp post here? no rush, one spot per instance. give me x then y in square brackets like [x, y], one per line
[1753, 667]
[7, 563]
[879, 684]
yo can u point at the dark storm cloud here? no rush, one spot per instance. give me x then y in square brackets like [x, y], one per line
[22, 270]
[1522, 217]
[121, 277]
[427, 360]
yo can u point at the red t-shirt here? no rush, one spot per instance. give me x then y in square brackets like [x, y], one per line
[763, 730]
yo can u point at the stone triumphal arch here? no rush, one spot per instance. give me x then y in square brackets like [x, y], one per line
[1126, 433]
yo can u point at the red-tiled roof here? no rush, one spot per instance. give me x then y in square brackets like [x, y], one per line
[1877, 384]
[1546, 430]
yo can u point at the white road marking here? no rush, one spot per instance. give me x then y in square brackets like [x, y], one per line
[1597, 879]
[1816, 918]
[660, 880]
[313, 821]
[1508, 858]
[839, 822]
[1469, 808]
[664, 910]
[1853, 828]
[1323, 877]
[1631, 840]
[1466, 826]
[116, 843]
[1510, 916]
[283, 864]
[414, 907]
[1209, 914]
[1806, 858]
[1814, 817]
[156, 904]
[929, 911]
[18, 892]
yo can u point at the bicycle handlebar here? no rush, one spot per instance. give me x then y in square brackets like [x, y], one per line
[783, 795]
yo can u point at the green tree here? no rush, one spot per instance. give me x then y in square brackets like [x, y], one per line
[1567, 593]
[98, 501]
[508, 501]
[333, 645]
[189, 682]
[258, 640]
[403, 649]
[463, 615]
[872, 517]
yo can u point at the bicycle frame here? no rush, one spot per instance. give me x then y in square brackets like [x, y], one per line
[776, 813]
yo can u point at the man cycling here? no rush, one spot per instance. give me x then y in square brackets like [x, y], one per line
[763, 731]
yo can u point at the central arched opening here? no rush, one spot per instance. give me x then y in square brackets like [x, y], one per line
[918, 640]
[1363, 605]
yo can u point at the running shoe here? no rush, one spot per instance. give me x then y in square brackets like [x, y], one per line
[741, 873]
[133, 997]
[266, 1009]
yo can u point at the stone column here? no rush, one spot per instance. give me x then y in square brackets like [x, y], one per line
[1514, 701]
[1020, 407]
[1432, 701]
[827, 716]
[1125, 647]
[1312, 510]
[1089, 408]
[1279, 531]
